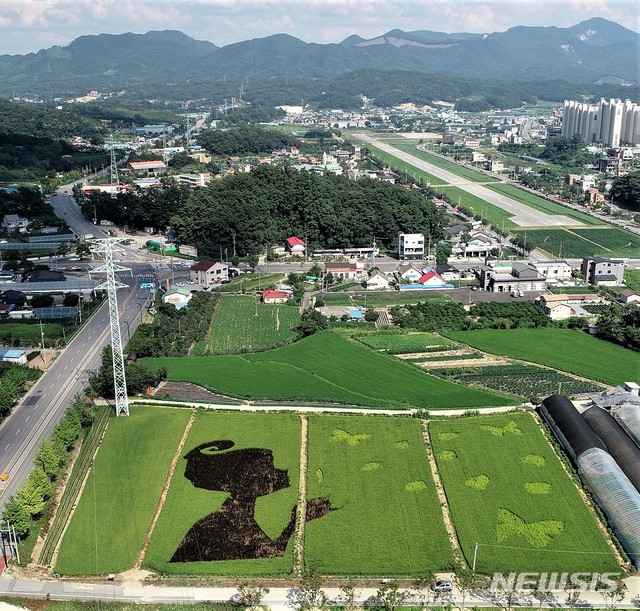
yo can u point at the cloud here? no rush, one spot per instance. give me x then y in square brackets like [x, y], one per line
[29, 25]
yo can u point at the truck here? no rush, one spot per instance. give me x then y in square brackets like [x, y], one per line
[154, 244]
[87, 236]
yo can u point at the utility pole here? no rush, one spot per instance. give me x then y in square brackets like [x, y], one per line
[107, 246]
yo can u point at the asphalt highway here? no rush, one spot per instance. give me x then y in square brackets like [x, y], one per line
[32, 420]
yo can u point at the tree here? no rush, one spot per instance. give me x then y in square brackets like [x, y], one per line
[370, 315]
[625, 191]
[311, 321]
[71, 299]
[390, 597]
[464, 580]
[310, 595]
[250, 596]
[348, 597]
[50, 459]
[31, 499]
[443, 252]
[39, 480]
[610, 595]
[42, 300]
[16, 514]
[83, 250]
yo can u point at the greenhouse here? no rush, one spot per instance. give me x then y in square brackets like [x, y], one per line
[623, 449]
[629, 418]
[569, 426]
[616, 496]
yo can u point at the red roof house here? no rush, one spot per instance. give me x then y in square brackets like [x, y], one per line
[431, 279]
[294, 245]
[271, 296]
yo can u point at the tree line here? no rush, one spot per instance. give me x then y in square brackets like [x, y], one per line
[264, 207]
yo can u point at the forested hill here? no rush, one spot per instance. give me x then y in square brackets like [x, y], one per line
[270, 204]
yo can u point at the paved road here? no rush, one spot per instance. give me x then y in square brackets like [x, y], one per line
[522, 215]
[280, 598]
[32, 420]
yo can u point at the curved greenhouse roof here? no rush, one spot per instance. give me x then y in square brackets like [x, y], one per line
[629, 418]
[624, 451]
[569, 426]
[616, 496]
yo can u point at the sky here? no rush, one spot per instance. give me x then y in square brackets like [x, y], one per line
[30, 25]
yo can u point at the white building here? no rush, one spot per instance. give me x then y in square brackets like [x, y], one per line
[610, 122]
[410, 246]
[553, 271]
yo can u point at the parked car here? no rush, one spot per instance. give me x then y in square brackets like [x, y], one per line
[442, 585]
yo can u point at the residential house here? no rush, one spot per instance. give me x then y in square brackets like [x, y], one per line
[46, 275]
[432, 280]
[479, 245]
[13, 222]
[520, 278]
[406, 271]
[345, 271]
[559, 307]
[448, 272]
[629, 297]
[209, 273]
[377, 281]
[553, 271]
[271, 296]
[456, 232]
[410, 246]
[179, 298]
[295, 246]
[600, 271]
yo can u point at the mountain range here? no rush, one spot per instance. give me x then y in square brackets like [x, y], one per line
[593, 51]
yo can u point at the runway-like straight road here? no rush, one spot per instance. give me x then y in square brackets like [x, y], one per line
[522, 215]
[32, 420]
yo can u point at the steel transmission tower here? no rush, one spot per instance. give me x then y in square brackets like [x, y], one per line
[107, 246]
[115, 179]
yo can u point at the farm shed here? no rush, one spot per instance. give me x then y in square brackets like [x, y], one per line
[624, 451]
[615, 494]
[566, 423]
[629, 418]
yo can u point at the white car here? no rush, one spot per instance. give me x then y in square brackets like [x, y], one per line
[442, 585]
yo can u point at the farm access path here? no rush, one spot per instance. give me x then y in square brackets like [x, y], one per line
[523, 215]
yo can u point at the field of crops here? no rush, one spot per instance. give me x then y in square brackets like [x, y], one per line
[241, 476]
[522, 380]
[325, 367]
[109, 524]
[404, 343]
[387, 519]
[632, 279]
[577, 243]
[618, 241]
[542, 204]
[564, 349]
[251, 282]
[381, 299]
[242, 324]
[29, 332]
[509, 493]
